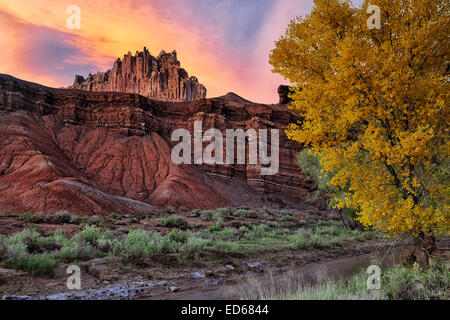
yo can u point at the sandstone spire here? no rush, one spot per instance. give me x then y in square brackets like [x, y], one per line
[159, 78]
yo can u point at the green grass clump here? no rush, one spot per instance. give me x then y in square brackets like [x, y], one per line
[325, 235]
[287, 218]
[293, 287]
[62, 216]
[260, 230]
[174, 221]
[228, 234]
[195, 243]
[33, 218]
[398, 282]
[207, 214]
[217, 226]
[33, 264]
[244, 213]
[228, 246]
[76, 250]
[75, 219]
[224, 213]
[240, 213]
[414, 284]
[139, 245]
[306, 239]
[177, 236]
[59, 217]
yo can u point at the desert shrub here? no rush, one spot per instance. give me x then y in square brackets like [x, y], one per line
[222, 213]
[293, 287]
[90, 234]
[411, 283]
[33, 218]
[112, 216]
[93, 221]
[139, 245]
[243, 229]
[305, 239]
[37, 244]
[226, 234]
[165, 245]
[299, 243]
[34, 264]
[3, 248]
[89, 243]
[244, 213]
[227, 247]
[169, 210]
[75, 219]
[287, 218]
[15, 243]
[76, 250]
[207, 214]
[174, 221]
[195, 242]
[104, 245]
[217, 225]
[62, 217]
[258, 231]
[240, 213]
[176, 235]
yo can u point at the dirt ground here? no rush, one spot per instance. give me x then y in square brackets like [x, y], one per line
[168, 276]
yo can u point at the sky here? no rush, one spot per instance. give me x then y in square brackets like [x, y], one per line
[224, 43]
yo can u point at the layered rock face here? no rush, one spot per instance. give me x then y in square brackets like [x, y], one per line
[97, 153]
[159, 78]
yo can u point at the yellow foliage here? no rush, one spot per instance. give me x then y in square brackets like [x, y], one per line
[375, 104]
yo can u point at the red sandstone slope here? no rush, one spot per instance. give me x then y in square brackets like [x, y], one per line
[102, 152]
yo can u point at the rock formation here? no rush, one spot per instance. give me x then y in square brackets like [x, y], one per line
[97, 153]
[283, 92]
[159, 78]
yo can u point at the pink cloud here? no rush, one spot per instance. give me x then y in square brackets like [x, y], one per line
[37, 46]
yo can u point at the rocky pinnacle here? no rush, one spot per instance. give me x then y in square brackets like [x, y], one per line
[159, 78]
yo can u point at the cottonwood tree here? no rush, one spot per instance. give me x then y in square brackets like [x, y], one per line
[375, 107]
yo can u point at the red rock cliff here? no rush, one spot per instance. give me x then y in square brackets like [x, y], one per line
[159, 78]
[102, 152]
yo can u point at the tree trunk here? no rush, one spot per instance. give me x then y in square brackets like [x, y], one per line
[425, 247]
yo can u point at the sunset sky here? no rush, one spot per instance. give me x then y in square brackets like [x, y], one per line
[225, 43]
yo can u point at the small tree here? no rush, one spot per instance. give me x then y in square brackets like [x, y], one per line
[309, 164]
[375, 106]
